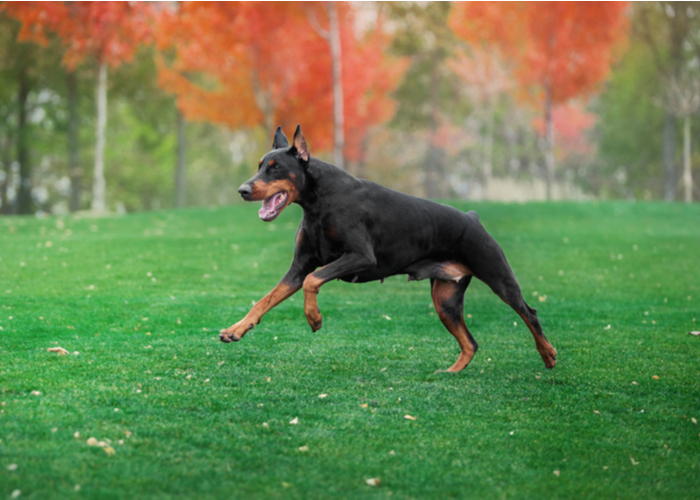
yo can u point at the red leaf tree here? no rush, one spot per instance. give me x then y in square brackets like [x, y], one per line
[557, 50]
[106, 32]
[244, 64]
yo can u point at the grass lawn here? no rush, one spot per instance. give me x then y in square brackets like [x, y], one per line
[138, 302]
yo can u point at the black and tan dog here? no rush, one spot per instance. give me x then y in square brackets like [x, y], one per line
[358, 231]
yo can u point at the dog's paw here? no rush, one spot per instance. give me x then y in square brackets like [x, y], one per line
[315, 321]
[549, 356]
[235, 333]
[312, 313]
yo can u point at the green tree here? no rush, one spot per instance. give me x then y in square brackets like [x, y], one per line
[428, 92]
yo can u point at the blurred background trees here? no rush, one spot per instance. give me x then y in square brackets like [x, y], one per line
[501, 101]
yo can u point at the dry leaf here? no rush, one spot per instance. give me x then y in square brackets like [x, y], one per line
[694, 421]
[36, 393]
[542, 298]
[694, 333]
[655, 377]
[12, 467]
[373, 481]
[634, 383]
[60, 350]
[634, 462]
[303, 448]
[323, 396]
[596, 412]
[92, 441]
[295, 421]
[409, 417]
[109, 450]
[556, 473]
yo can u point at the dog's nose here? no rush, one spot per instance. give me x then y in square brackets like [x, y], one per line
[245, 191]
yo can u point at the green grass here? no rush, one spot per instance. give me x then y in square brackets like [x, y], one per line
[141, 299]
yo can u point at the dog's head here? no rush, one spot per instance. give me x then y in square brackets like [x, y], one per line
[280, 177]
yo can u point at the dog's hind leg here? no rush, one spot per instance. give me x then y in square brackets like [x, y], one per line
[448, 297]
[507, 288]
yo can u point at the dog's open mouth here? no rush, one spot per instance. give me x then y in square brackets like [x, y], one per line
[272, 206]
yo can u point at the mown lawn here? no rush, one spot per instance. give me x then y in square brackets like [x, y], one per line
[138, 302]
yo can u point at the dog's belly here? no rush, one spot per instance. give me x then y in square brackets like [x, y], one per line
[426, 269]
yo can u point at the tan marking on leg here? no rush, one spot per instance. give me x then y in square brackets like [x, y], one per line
[441, 292]
[281, 292]
[546, 350]
[311, 286]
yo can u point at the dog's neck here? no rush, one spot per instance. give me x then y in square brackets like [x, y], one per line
[321, 181]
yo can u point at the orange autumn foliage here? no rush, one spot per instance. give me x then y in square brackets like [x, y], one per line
[244, 64]
[566, 46]
[108, 31]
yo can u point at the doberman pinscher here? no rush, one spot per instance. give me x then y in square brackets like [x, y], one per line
[358, 231]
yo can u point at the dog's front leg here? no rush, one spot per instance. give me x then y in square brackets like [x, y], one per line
[281, 292]
[304, 262]
[348, 264]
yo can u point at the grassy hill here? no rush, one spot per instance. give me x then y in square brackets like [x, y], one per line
[138, 302]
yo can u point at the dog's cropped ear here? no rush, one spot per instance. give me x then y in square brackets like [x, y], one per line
[301, 150]
[280, 140]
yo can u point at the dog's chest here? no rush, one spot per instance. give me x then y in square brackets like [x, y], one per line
[325, 239]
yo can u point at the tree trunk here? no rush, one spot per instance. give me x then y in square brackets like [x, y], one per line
[98, 186]
[488, 143]
[180, 169]
[549, 142]
[433, 167]
[24, 198]
[338, 116]
[687, 174]
[669, 149]
[74, 171]
[7, 169]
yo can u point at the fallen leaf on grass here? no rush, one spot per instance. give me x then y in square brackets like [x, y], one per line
[373, 481]
[655, 377]
[363, 405]
[409, 417]
[634, 462]
[101, 444]
[694, 421]
[323, 396]
[12, 467]
[295, 421]
[694, 333]
[303, 448]
[556, 473]
[36, 393]
[60, 350]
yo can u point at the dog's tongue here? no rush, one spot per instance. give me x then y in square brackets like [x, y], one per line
[271, 205]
